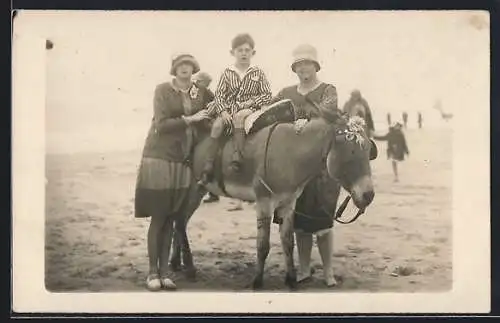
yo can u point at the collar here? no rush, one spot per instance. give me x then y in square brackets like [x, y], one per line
[178, 89]
[249, 69]
[309, 90]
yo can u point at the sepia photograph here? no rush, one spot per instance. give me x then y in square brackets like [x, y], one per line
[255, 156]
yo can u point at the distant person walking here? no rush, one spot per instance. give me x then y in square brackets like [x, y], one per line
[389, 121]
[420, 120]
[405, 119]
[203, 80]
[358, 106]
[396, 147]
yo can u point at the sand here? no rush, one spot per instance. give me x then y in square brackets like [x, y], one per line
[94, 243]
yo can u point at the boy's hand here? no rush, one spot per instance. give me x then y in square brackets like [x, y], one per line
[247, 104]
[226, 117]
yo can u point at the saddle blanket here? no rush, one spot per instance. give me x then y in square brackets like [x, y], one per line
[281, 111]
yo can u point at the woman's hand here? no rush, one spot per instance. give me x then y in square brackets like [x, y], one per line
[299, 125]
[197, 117]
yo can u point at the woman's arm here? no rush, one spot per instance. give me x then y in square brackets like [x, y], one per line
[162, 119]
[328, 106]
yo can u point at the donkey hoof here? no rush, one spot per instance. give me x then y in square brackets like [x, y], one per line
[291, 282]
[257, 283]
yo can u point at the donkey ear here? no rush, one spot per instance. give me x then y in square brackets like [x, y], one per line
[373, 150]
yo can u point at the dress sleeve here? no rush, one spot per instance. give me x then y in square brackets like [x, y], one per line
[162, 119]
[328, 106]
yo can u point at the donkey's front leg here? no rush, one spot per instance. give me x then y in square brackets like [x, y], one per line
[263, 207]
[287, 243]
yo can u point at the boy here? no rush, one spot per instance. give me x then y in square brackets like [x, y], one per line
[242, 89]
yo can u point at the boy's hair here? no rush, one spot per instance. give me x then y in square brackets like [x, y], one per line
[242, 39]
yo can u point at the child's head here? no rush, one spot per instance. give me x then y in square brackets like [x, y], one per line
[242, 48]
[203, 79]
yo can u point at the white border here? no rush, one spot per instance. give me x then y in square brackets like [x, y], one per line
[471, 229]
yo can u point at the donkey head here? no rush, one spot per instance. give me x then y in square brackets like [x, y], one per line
[348, 159]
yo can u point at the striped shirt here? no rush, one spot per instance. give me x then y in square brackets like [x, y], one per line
[234, 89]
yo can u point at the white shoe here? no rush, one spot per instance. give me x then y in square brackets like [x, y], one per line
[153, 282]
[168, 284]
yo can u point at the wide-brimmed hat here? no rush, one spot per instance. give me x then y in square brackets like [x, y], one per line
[305, 52]
[184, 58]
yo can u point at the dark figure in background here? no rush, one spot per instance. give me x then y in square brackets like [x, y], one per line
[405, 119]
[357, 105]
[420, 120]
[389, 121]
[396, 146]
[203, 80]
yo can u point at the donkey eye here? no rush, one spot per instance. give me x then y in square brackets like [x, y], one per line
[349, 136]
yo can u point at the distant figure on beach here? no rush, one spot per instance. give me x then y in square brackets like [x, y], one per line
[420, 120]
[405, 119]
[396, 147]
[358, 106]
[389, 121]
[203, 80]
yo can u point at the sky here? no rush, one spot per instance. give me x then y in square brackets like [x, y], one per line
[104, 66]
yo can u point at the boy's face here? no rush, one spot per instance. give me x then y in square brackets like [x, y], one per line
[243, 53]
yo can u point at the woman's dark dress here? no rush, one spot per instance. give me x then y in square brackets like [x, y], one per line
[316, 205]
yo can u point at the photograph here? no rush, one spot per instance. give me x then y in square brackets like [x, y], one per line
[255, 154]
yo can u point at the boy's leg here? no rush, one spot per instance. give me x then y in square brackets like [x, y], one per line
[213, 147]
[239, 137]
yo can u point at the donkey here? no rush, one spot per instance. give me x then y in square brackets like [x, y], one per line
[278, 163]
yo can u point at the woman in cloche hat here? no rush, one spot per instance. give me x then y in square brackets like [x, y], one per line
[313, 98]
[164, 178]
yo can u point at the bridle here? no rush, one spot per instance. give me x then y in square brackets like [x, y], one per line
[345, 135]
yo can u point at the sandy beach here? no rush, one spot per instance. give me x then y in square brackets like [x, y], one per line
[94, 243]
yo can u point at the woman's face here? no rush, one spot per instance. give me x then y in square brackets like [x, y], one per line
[184, 70]
[305, 70]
